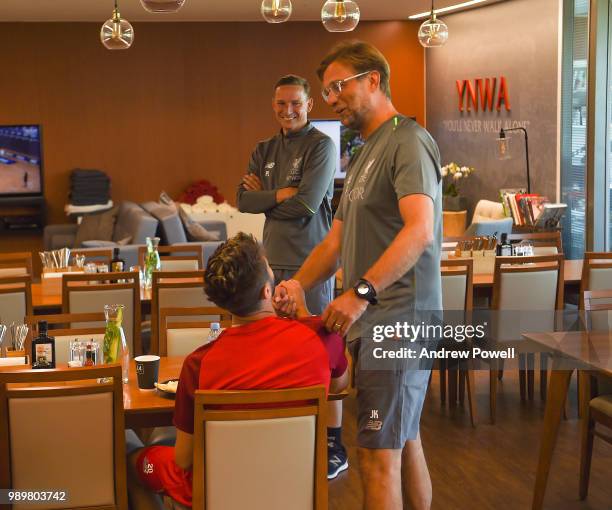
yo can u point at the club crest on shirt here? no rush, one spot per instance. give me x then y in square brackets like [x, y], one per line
[295, 172]
[270, 164]
[366, 172]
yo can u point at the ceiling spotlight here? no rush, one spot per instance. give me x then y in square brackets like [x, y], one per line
[340, 15]
[276, 11]
[117, 33]
[433, 33]
[162, 5]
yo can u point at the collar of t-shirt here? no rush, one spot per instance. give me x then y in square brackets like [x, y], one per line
[297, 134]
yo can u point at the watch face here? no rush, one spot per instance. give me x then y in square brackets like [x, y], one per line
[363, 289]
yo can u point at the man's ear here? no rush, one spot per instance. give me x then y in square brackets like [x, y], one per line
[374, 79]
[309, 104]
[266, 292]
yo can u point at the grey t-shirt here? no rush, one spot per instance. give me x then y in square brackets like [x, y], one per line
[306, 160]
[400, 158]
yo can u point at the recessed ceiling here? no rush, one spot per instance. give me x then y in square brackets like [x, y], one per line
[202, 10]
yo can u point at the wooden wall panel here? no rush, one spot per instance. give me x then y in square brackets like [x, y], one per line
[187, 101]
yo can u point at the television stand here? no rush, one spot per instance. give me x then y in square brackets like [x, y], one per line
[19, 214]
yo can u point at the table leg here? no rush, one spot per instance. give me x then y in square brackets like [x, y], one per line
[557, 392]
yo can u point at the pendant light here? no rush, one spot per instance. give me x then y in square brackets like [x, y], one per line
[340, 15]
[117, 33]
[433, 33]
[162, 5]
[276, 11]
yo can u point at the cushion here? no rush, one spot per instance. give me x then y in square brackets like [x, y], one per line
[97, 243]
[195, 231]
[97, 226]
[171, 226]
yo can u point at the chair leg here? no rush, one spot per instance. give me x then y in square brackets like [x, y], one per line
[471, 391]
[500, 372]
[530, 375]
[578, 410]
[461, 387]
[522, 376]
[587, 429]
[493, 375]
[543, 374]
[452, 387]
[443, 381]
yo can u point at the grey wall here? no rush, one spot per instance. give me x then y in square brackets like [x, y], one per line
[517, 39]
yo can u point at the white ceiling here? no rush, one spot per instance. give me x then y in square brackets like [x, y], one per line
[201, 10]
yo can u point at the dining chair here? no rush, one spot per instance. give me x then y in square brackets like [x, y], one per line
[182, 330]
[80, 448]
[596, 273]
[176, 258]
[527, 293]
[15, 298]
[63, 330]
[15, 264]
[457, 300]
[94, 255]
[249, 448]
[544, 243]
[175, 289]
[89, 292]
[596, 389]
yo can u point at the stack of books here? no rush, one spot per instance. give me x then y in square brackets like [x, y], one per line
[531, 209]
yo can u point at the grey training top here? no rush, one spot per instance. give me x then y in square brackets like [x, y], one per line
[307, 160]
[400, 158]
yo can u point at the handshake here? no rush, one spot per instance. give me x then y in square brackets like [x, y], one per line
[289, 300]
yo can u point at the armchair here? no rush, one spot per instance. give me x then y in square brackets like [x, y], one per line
[489, 219]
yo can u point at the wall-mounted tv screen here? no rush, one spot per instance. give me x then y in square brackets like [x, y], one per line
[21, 170]
[347, 141]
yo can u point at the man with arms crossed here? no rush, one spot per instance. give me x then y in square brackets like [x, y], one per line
[388, 231]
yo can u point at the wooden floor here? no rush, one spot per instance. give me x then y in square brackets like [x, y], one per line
[491, 466]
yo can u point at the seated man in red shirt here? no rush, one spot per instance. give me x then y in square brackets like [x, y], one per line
[260, 351]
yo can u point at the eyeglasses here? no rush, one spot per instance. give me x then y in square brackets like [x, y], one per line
[336, 86]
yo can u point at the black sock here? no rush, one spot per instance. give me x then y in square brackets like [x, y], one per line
[334, 435]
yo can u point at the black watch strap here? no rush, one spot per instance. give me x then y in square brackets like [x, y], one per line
[365, 290]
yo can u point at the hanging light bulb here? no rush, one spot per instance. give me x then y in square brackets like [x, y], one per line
[433, 33]
[162, 5]
[503, 146]
[340, 15]
[276, 11]
[117, 33]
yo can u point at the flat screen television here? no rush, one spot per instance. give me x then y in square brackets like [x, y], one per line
[21, 168]
[347, 141]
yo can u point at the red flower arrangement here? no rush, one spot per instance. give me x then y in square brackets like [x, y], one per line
[199, 188]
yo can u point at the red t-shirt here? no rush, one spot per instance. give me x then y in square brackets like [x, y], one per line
[271, 353]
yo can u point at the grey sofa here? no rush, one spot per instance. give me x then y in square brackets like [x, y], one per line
[132, 221]
[171, 230]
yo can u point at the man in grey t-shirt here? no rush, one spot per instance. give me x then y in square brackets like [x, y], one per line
[387, 234]
[291, 180]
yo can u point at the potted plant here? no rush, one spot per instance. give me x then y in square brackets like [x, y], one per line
[453, 177]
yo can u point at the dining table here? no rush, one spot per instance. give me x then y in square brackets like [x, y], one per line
[587, 352]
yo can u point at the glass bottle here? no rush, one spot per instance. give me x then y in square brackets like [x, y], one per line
[152, 261]
[43, 348]
[115, 347]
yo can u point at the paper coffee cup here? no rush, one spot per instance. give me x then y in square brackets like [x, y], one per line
[147, 370]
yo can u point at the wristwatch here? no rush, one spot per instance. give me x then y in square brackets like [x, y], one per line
[365, 290]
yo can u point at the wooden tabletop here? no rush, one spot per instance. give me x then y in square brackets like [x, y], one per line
[582, 350]
[42, 301]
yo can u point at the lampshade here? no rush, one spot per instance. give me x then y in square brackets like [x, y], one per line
[162, 5]
[276, 11]
[503, 147]
[117, 33]
[433, 33]
[340, 15]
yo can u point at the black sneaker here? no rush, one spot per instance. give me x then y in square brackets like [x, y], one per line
[337, 461]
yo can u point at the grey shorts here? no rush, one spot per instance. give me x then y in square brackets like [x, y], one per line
[389, 402]
[317, 298]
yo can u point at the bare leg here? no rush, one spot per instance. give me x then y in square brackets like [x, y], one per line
[416, 482]
[381, 478]
[334, 414]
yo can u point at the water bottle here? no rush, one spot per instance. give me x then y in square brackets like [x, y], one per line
[214, 332]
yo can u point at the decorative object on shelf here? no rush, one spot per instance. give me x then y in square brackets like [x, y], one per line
[117, 33]
[276, 11]
[199, 188]
[453, 176]
[503, 149]
[433, 33]
[162, 5]
[340, 15]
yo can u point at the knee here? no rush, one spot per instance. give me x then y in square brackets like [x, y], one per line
[379, 463]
